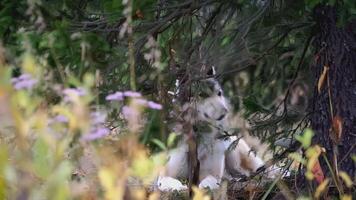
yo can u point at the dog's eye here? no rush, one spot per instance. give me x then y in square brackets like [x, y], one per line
[219, 93]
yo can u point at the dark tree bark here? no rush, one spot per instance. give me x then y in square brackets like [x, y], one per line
[335, 101]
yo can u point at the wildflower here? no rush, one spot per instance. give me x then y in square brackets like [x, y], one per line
[154, 105]
[141, 102]
[132, 94]
[72, 93]
[60, 119]
[26, 84]
[24, 81]
[96, 133]
[117, 96]
[129, 112]
[98, 130]
[97, 117]
[137, 99]
[21, 78]
[75, 91]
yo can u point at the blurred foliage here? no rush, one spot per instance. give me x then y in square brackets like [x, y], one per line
[257, 46]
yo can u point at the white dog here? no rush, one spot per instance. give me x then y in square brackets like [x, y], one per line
[216, 158]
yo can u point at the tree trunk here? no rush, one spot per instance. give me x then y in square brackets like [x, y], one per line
[333, 105]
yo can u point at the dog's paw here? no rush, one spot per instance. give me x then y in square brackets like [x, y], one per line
[170, 184]
[209, 182]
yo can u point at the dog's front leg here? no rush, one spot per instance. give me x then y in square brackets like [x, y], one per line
[176, 167]
[241, 161]
[212, 164]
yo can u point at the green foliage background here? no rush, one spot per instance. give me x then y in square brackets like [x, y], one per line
[261, 50]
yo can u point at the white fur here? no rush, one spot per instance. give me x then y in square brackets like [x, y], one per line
[170, 184]
[209, 182]
[216, 161]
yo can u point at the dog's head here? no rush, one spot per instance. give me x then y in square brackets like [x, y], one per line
[211, 104]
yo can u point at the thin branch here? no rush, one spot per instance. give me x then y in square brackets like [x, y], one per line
[267, 51]
[207, 29]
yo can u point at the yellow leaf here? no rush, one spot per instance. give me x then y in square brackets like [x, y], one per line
[309, 175]
[297, 157]
[320, 189]
[346, 178]
[322, 78]
[154, 196]
[346, 197]
[89, 80]
[108, 181]
[29, 64]
[312, 154]
[142, 166]
[199, 194]
[137, 193]
[312, 160]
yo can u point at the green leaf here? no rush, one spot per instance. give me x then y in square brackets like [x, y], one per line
[171, 139]
[3, 164]
[159, 143]
[59, 182]
[346, 178]
[225, 41]
[297, 157]
[306, 138]
[41, 158]
[353, 157]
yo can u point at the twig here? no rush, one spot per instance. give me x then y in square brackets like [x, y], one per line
[274, 183]
[338, 186]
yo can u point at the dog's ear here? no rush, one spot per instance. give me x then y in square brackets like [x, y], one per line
[211, 71]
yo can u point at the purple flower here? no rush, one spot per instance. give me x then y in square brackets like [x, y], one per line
[117, 96]
[96, 133]
[132, 94]
[24, 81]
[129, 113]
[98, 130]
[70, 93]
[60, 118]
[154, 105]
[97, 117]
[141, 102]
[21, 78]
[75, 91]
[25, 84]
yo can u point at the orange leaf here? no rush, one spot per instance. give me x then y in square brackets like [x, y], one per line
[322, 78]
[321, 188]
[318, 172]
[337, 127]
